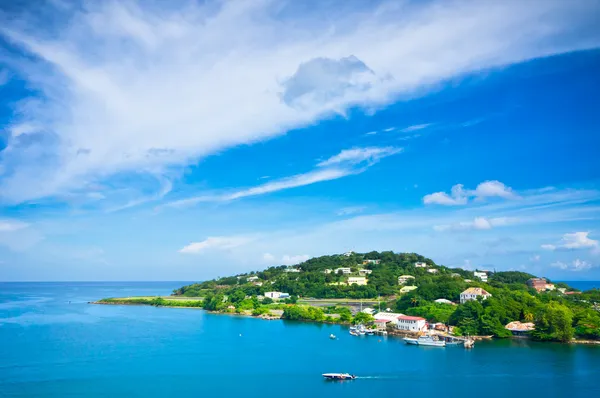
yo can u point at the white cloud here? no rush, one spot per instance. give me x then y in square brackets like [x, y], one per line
[216, 243]
[574, 241]
[576, 265]
[133, 87]
[346, 211]
[535, 258]
[460, 196]
[360, 155]
[347, 162]
[478, 223]
[415, 127]
[457, 197]
[11, 225]
[4, 77]
[286, 259]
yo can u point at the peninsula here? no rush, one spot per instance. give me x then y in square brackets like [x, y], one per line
[369, 288]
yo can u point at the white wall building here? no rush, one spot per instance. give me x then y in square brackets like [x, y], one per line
[363, 271]
[402, 279]
[481, 275]
[276, 295]
[292, 270]
[411, 323]
[344, 271]
[252, 278]
[420, 265]
[357, 280]
[388, 316]
[432, 271]
[348, 254]
[473, 293]
[328, 271]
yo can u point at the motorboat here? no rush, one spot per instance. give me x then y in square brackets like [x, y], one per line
[432, 341]
[332, 336]
[353, 332]
[339, 376]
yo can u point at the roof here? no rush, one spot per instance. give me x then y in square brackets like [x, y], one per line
[475, 290]
[388, 315]
[411, 318]
[444, 301]
[382, 320]
[518, 326]
[406, 276]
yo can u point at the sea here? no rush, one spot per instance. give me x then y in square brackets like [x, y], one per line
[53, 343]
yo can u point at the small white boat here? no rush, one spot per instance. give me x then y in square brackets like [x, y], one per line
[332, 336]
[339, 376]
[354, 333]
[431, 341]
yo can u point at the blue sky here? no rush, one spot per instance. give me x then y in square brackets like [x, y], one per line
[139, 142]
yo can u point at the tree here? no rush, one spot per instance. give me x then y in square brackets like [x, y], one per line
[237, 296]
[554, 322]
[363, 318]
[267, 301]
[468, 326]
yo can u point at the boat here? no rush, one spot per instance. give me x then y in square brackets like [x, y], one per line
[354, 333]
[431, 341]
[454, 342]
[332, 336]
[469, 343]
[339, 376]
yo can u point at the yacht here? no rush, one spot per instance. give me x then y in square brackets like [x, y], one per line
[433, 341]
[339, 376]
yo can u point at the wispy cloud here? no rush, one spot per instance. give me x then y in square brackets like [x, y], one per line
[11, 225]
[347, 162]
[573, 241]
[129, 87]
[216, 243]
[478, 223]
[286, 259]
[415, 127]
[459, 196]
[576, 265]
[346, 211]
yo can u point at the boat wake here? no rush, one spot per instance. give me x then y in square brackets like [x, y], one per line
[377, 377]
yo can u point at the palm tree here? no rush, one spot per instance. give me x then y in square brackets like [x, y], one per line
[414, 301]
[528, 316]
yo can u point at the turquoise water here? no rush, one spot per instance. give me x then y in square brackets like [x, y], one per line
[52, 348]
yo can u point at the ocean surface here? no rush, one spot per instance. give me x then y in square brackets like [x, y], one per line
[54, 344]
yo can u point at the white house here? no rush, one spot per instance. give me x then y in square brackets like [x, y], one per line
[348, 254]
[481, 275]
[402, 279]
[363, 271]
[420, 265]
[292, 270]
[252, 278]
[276, 295]
[357, 280]
[411, 323]
[473, 293]
[407, 289]
[443, 301]
[432, 271]
[344, 271]
[388, 316]
[328, 271]
[369, 311]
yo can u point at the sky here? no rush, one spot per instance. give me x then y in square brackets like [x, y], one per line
[184, 140]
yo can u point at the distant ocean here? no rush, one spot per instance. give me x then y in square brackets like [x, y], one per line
[54, 344]
[583, 285]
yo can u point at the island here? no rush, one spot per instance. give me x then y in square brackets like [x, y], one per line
[400, 293]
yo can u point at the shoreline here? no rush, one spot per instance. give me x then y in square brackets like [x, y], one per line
[394, 333]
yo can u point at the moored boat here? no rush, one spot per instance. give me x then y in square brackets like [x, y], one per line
[339, 376]
[431, 341]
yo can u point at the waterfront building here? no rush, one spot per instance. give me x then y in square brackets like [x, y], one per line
[411, 323]
[276, 295]
[388, 316]
[520, 329]
[473, 293]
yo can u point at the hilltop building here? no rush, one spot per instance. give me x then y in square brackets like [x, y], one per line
[473, 293]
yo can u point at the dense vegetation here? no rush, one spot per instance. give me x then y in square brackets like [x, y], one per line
[558, 317]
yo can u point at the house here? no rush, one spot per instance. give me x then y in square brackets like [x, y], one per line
[402, 279]
[252, 278]
[292, 270]
[369, 311]
[363, 271]
[440, 327]
[344, 271]
[569, 293]
[388, 316]
[257, 283]
[357, 280]
[407, 289]
[455, 275]
[540, 284]
[412, 323]
[276, 295]
[468, 280]
[520, 329]
[381, 324]
[328, 271]
[443, 301]
[473, 293]
[348, 254]
[365, 262]
[482, 275]
[420, 265]
[432, 271]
